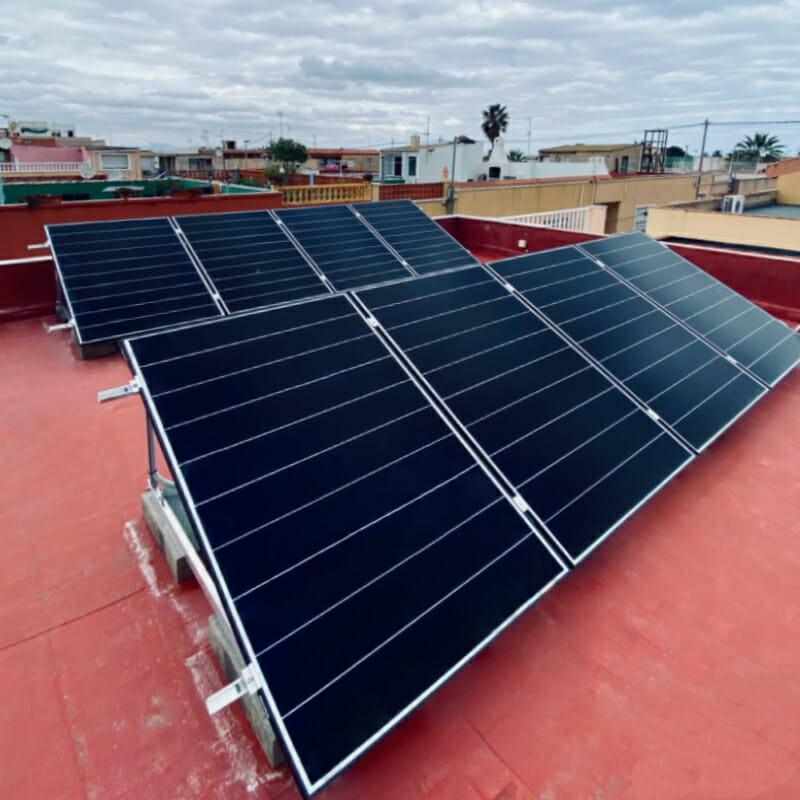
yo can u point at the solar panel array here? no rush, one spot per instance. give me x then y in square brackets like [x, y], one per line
[347, 521]
[200, 265]
[573, 446]
[762, 344]
[382, 480]
[673, 372]
[120, 278]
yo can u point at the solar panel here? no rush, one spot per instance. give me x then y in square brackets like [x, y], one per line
[576, 448]
[419, 240]
[363, 550]
[343, 248]
[764, 345]
[680, 377]
[250, 259]
[121, 278]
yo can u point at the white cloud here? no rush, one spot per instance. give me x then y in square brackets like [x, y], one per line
[353, 75]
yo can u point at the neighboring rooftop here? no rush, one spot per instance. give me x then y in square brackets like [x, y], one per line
[775, 210]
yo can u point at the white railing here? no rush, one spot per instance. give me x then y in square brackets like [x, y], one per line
[568, 219]
[11, 167]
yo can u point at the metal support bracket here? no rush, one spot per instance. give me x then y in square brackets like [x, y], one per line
[61, 326]
[43, 246]
[247, 683]
[130, 388]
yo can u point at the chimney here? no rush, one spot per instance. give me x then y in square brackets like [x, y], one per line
[415, 142]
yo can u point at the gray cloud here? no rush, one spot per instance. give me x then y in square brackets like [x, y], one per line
[369, 73]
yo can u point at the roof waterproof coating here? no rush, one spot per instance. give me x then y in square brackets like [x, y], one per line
[343, 248]
[364, 552]
[250, 259]
[580, 452]
[121, 278]
[420, 241]
[764, 345]
[676, 374]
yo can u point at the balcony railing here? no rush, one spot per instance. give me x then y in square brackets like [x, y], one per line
[567, 219]
[14, 167]
[333, 193]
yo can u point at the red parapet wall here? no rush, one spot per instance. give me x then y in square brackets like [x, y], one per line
[771, 281]
[492, 239]
[411, 191]
[21, 226]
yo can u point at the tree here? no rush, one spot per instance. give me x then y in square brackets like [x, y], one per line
[673, 151]
[760, 147]
[717, 154]
[288, 154]
[495, 121]
[516, 155]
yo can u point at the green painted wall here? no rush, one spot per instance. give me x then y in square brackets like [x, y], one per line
[96, 190]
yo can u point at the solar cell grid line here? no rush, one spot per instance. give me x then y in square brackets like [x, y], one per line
[762, 344]
[343, 249]
[694, 389]
[124, 277]
[344, 520]
[250, 259]
[417, 238]
[579, 452]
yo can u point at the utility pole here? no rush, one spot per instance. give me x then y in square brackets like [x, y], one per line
[428, 130]
[700, 166]
[246, 154]
[530, 126]
[280, 117]
[451, 197]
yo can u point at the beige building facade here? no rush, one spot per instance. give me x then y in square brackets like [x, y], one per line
[619, 158]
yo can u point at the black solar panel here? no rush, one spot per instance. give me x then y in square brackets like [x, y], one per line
[580, 453]
[250, 259]
[758, 341]
[687, 383]
[364, 551]
[121, 278]
[419, 240]
[343, 248]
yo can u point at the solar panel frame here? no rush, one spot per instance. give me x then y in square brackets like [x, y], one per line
[599, 248]
[307, 241]
[234, 301]
[371, 212]
[308, 786]
[458, 421]
[609, 280]
[67, 285]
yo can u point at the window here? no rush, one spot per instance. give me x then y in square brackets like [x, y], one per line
[398, 167]
[115, 161]
[200, 163]
[624, 167]
[350, 163]
[412, 165]
[616, 165]
[369, 162]
[640, 218]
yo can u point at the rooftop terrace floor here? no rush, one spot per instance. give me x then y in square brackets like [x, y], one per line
[664, 667]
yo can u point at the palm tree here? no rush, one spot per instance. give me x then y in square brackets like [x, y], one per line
[516, 155]
[761, 147]
[495, 121]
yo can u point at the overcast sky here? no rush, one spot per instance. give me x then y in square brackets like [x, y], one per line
[343, 74]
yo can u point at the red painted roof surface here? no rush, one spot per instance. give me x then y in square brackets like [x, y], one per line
[666, 666]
